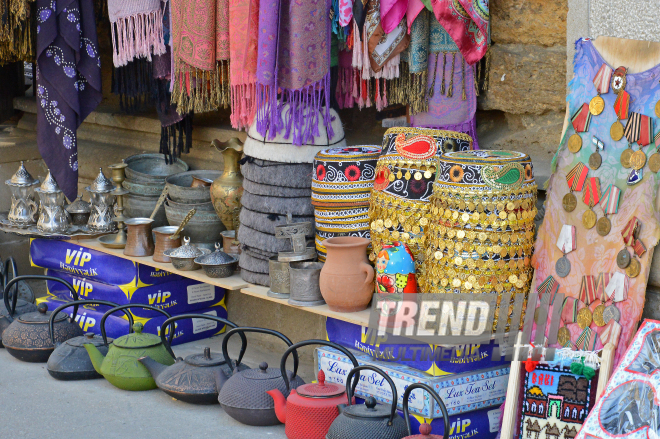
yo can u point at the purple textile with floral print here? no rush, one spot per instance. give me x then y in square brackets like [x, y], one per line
[68, 83]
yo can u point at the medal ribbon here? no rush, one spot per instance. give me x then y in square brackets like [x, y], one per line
[628, 232]
[610, 333]
[599, 145]
[581, 119]
[639, 248]
[566, 241]
[588, 289]
[645, 131]
[576, 177]
[609, 201]
[617, 288]
[622, 105]
[550, 286]
[633, 127]
[657, 140]
[602, 79]
[587, 340]
[600, 287]
[591, 195]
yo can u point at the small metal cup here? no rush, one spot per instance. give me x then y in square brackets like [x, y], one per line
[304, 284]
[279, 278]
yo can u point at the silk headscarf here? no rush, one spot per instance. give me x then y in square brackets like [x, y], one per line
[467, 22]
[68, 83]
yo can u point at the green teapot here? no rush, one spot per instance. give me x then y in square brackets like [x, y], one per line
[120, 365]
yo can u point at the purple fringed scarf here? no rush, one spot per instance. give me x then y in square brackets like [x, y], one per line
[68, 83]
[294, 58]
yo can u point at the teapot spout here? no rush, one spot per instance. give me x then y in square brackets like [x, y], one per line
[95, 355]
[153, 366]
[220, 379]
[280, 404]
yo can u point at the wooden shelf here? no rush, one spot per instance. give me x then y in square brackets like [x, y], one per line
[234, 283]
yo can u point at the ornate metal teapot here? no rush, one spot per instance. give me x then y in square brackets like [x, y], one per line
[243, 395]
[70, 361]
[120, 365]
[53, 217]
[368, 420]
[102, 200]
[27, 337]
[24, 209]
[425, 429]
[196, 378]
[310, 409]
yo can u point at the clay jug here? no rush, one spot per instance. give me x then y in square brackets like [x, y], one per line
[227, 189]
[347, 278]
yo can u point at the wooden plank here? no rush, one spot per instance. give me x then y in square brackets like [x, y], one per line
[606, 368]
[358, 318]
[231, 283]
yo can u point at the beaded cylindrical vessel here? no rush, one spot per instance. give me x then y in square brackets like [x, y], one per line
[399, 208]
[342, 180]
[481, 236]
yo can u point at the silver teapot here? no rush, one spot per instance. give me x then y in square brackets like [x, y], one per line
[103, 201]
[53, 217]
[24, 209]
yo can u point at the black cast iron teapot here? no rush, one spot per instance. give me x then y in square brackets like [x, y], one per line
[243, 395]
[70, 360]
[368, 420]
[197, 378]
[27, 337]
[25, 301]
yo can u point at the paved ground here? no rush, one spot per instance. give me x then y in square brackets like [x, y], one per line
[36, 406]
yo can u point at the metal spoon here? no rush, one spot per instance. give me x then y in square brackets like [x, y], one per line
[189, 215]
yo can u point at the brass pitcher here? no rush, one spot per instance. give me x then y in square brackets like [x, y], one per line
[226, 190]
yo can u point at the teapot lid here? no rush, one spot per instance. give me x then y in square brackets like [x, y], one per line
[262, 373]
[187, 250]
[79, 206]
[42, 315]
[321, 389]
[205, 359]
[367, 410]
[49, 186]
[88, 338]
[102, 184]
[137, 340]
[21, 178]
[216, 258]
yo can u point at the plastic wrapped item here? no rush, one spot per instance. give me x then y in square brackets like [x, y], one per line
[629, 408]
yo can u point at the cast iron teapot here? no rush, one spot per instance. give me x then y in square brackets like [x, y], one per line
[368, 420]
[196, 378]
[243, 395]
[425, 429]
[310, 409]
[25, 301]
[27, 337]
[70, 360]
[120, 365]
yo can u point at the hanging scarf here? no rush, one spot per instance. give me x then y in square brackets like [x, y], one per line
[16, 38]
[344, 90]
[382, 46]
[413, 10]
[294, 58]
[68, 83]
[467, 22]
[137, 30]
[345, 12]
[391, 13]
[243, 27]
[200, 32]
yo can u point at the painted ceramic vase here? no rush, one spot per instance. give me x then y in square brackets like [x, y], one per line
[395, 269]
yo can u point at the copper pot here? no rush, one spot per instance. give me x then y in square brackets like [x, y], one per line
[163, 242]
[139, 239]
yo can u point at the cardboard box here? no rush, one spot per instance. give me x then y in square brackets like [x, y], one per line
[461, 393]
[116, 325]
[91, 264]
[175, 297]
[435, 360]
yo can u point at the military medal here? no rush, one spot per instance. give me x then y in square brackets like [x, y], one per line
[609, 202]
[575, 180]
[563, 336]
[602, 84]
[654, 160]
[598, 315]
[634, 268]
[581, 120]
[584, 318]
[623, 259]
[591, 197]
[566, 243]
[639, 129]
[611, 312]
[595, 159]
[621, 104]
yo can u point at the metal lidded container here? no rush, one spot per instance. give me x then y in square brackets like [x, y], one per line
[183, 258]
[24, 203]
[304, 285]
[102, 202]
[79, 211]
[217, 264]
[53, 218]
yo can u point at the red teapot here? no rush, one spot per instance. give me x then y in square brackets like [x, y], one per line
[424, 429]
[310, 409]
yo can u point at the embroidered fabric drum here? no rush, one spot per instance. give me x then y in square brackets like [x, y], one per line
[343, 177]
[481, 235]
[340, 222]
[399, 208]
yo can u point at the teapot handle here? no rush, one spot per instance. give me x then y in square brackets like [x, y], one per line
[51, 321]
[171, 321]
[434, 395]
[10, 262]
[241, 329]
[395, 397]
[317, 342]
[129, 305]
[14, 298]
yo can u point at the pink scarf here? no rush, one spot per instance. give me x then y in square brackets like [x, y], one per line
[467, 23]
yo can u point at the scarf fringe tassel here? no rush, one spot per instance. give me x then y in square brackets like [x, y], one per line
[243, 105]
[137, 36]
[201, 91]
[176, 139]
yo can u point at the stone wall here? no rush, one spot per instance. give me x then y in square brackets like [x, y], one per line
[524, 106]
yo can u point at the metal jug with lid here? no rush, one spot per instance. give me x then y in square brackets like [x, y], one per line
[24, 208]
[53, 217]
[102, 204]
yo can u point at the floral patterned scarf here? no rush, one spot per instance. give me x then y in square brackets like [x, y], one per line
[243, 27]
[467, 22]
[68, 83]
